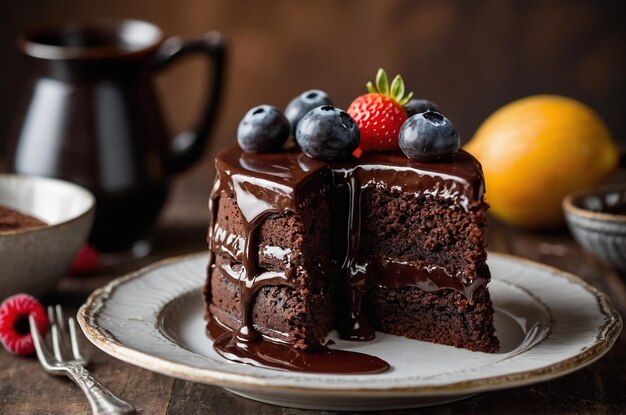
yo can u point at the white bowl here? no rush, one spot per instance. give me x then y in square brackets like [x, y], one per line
[33, 260]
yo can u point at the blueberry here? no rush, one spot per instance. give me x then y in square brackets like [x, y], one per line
[263, 129]
[327, 133]
[415, 106]
[303, 103]
[428, 136]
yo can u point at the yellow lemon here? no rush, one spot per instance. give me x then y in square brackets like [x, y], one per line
[536, 150]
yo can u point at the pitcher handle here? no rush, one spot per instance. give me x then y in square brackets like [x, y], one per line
[187, 147]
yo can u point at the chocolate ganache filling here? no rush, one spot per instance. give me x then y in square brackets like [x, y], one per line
[278, 183]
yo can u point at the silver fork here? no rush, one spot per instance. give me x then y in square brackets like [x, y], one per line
[102, 401]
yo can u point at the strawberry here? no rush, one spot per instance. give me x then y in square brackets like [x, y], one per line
[380, 113]
[14, 325]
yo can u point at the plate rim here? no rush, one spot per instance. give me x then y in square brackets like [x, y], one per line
[605, 339]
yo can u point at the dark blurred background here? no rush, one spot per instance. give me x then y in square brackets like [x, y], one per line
[468, 57]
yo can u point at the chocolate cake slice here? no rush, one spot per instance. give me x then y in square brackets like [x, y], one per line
[269, 271]
[420, 267]
[301, 246]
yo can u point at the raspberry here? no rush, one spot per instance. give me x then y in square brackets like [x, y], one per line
[86, 261]
[14, 327]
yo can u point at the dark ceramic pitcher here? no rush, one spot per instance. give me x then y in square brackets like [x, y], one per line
[92, 117]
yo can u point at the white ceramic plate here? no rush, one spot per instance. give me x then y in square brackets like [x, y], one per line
[550, 323]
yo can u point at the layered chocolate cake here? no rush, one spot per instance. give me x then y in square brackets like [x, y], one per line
[304, 240]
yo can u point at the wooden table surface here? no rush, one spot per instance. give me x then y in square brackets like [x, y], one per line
[26, 389]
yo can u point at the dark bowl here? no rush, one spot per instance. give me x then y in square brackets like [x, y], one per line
[597, 220]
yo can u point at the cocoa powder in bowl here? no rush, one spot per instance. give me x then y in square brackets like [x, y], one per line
[11, 219]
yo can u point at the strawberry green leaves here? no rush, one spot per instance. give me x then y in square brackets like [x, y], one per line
[395, 91]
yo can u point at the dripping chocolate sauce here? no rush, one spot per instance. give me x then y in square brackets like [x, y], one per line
[358, 327]
[275, 184]
[277, 355]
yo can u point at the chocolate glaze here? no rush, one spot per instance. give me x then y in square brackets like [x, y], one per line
[459, 180]
[275, 355]
[358, 326]
[231, 246]
[268, 183]
[278, 183]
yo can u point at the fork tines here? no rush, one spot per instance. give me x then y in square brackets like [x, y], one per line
[59, 333]
[102, 400]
